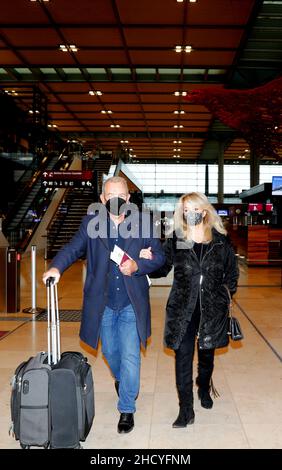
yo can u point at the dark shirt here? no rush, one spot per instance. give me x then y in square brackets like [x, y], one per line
[200, 250]
[117, 293]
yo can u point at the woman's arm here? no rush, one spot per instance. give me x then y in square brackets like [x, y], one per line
[231, 270]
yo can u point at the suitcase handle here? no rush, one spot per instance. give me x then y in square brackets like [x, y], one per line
[50, 281]
[53, 322]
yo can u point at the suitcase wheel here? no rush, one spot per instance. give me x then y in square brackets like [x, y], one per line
[24, 446]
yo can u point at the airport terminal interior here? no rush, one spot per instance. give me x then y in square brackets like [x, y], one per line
[175, 96]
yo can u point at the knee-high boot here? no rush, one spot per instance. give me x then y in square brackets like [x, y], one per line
[186, 412]
[205, 370]
[184, 381]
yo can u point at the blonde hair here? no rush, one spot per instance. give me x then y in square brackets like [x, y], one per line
[211, 219]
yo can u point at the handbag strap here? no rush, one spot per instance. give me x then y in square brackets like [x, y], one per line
[230, 306]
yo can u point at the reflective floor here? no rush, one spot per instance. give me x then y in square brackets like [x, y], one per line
[248, 375]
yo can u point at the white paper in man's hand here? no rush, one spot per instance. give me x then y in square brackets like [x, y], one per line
[119, 256]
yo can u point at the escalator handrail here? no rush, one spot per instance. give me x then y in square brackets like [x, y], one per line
[22, 245]
[41, 189]
[26, 190]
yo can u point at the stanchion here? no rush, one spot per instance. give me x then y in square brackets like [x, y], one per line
[33, 308]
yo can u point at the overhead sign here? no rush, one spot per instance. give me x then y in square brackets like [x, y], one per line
[67, 179]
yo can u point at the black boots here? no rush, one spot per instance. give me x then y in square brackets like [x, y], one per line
[206, 400]
[186, 416]
[204, 380]
[186, 413]
[204, 394]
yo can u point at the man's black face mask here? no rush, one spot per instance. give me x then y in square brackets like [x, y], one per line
[114, 204]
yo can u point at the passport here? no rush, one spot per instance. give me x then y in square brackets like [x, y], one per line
[119, 256]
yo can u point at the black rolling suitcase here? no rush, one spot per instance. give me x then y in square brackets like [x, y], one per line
[52, 399]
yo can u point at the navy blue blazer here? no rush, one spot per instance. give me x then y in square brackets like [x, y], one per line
[97, 253]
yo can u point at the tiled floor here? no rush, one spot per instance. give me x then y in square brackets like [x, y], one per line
[248, 413]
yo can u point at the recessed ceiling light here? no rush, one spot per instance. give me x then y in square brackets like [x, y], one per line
[187, 48]
[92, 92]
[68, 48]
[180, 93]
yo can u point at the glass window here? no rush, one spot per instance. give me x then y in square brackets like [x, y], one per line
[267, 171]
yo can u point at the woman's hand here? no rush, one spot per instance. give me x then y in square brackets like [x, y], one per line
[146, 253]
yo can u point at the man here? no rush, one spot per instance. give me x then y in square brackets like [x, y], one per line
[116, 304]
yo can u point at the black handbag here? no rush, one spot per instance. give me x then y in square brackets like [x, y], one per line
[234, 327]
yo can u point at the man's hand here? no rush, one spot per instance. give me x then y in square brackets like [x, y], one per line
[53, 272]
[128, 267]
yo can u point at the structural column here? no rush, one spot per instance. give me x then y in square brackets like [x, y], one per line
[207, 180]
[220, 185]
[254, 168]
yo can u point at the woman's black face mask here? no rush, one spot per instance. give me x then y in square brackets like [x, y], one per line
[114, 205]
[193, 218]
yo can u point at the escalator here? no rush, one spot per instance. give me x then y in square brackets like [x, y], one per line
[75, 204]
[31, 204]
[67, 219]
[100, 165]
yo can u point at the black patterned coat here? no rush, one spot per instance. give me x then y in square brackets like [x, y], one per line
[205, 279]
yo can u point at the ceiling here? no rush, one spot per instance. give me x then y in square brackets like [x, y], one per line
[126, 51]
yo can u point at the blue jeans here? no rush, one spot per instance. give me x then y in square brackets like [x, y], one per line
[121, 348]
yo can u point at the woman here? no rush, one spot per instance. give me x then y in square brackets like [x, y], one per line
[205, 267]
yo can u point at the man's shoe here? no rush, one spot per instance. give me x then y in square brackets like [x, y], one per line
[205, 398]
[126, 423]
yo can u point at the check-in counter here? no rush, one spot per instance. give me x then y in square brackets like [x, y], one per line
[259, 244]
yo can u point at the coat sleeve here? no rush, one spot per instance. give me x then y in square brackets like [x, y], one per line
[231, 270]
[167, 266]
[146, 266]
[74, 250]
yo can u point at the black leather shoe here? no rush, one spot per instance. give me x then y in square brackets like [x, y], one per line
[126, 423]
[205, 398]
[185, 416]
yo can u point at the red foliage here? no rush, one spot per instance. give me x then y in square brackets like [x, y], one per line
[256, 113]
